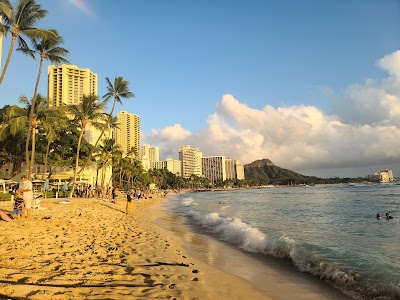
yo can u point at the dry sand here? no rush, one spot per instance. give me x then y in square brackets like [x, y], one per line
[92, 249]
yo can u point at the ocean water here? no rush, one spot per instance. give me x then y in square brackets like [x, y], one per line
[330, 231]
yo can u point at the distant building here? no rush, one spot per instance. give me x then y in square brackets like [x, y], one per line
[234, 170]
[386, 176]
[172, 165]
[190, 159]
[214, 168]
[67, 84]
[150, 153]
[127, 134]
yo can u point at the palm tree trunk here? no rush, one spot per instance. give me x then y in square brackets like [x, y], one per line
[32, 113]
[27, 164]
[77, 161]
[8, 58]
[46, 158]
[33, 150]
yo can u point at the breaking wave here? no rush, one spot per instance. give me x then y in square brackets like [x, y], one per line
[251, 239]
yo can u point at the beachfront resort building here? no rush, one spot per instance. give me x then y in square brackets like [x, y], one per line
[67, 84]
[127, 134]
[150, 153]
[386, 176]
[172, 165]
[214, 168]
[190, 159]
[234, 170]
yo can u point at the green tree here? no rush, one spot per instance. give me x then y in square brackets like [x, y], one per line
[55, 121]
[24, 15]
[88, 112]
[12, 132]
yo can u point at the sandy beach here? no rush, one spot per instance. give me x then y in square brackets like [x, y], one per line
[92, 249]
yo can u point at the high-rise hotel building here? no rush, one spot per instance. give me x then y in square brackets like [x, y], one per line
[214, 168]
[150, 153]
[190, 161]
[234, 170]
[127, 134]
[67, 84]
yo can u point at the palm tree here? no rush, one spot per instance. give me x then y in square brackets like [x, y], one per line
[109, 125]
[31, 123]
[88, 112]
[21, 23]
[47, 48]
[6, 10]
[55, 121]
[12, 132]
[104, 156]
[117, 91]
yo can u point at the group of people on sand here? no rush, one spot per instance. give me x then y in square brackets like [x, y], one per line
[23, 201]
[387, 215]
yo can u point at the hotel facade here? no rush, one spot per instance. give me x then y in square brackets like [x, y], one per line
[67, 84]
[127, 134]
[191, 163]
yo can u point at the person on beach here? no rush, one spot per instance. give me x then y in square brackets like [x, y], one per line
[27, 190]
[18, 205]
[128, 202]
[115, 195]
[5, 217]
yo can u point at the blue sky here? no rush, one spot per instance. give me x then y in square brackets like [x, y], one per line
[312, 85]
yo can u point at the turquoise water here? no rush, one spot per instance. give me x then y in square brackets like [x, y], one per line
[328, 231]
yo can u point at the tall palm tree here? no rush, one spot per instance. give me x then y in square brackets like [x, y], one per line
[55, 121]
[21, 23]
[32, 122]
[104, 156]
[118, 91]
[47, 47]
[108, 125]
[88, 112]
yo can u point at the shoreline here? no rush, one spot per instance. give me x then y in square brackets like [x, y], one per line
[275, 277]
[91, 249]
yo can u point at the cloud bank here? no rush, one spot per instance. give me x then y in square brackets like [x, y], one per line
[364, 129]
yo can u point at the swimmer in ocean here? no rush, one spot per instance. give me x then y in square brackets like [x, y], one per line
[388, 217]
[378, 216]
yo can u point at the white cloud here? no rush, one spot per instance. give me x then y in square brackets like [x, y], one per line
[365, 132]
